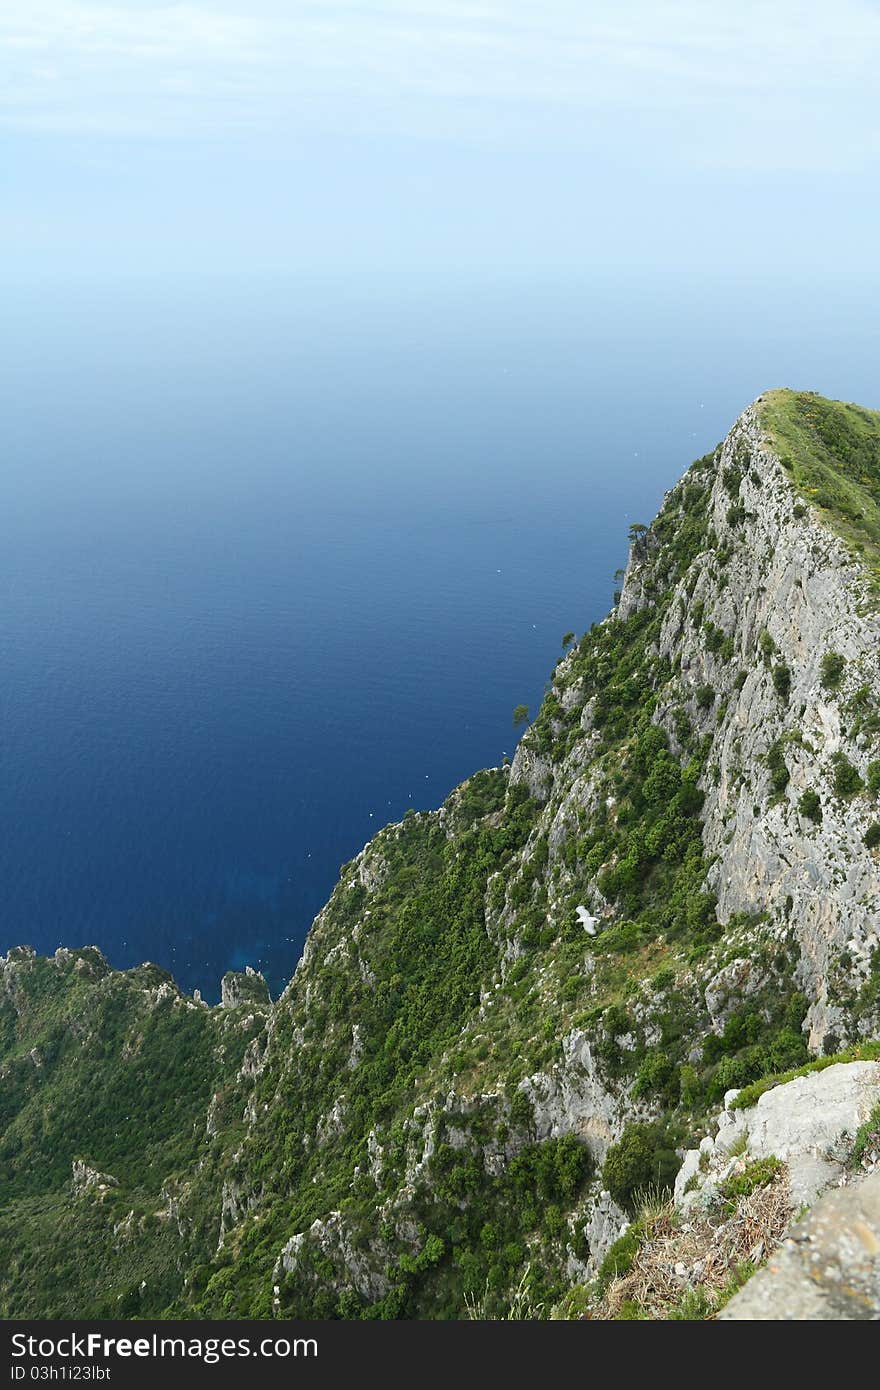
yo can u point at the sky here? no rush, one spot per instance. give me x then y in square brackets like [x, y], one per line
[430, 136]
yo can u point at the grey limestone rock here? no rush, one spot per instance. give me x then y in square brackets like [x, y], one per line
[808, 1123]
[89, 1179]
[828, 1270]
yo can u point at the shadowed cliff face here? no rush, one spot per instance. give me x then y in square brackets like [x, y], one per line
[460, 1094]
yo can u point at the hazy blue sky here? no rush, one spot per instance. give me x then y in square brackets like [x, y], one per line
[439, 134]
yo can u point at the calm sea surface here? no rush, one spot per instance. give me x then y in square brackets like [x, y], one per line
[277, 561]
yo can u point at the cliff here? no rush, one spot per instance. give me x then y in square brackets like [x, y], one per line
[466, 1089]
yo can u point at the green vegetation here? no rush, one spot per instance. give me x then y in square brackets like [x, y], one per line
[867, 1138]
[520, 715]
[833, 666]
[755, 1041]
[641, 1160]
[846, 778]
[872, 835]
[619, 1259]
[811, 806]
[782, 681]
[476, 1232]
[758, 1172]
[777, 767]
[117, 1070]
[832, 452]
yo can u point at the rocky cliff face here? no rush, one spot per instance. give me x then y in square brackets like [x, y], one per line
[519, 1011]
[791, 591]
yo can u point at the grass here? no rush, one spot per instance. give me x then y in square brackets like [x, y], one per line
[756, 1173]
[867, 1138]
[638, 1279]
[831, 450]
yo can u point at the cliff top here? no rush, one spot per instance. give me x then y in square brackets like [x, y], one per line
[831, 450]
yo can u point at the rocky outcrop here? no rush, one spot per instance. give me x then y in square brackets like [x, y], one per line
[808, 1123]
[572, 1098]
[243, 987]
[329, 1240]
[89, 1179]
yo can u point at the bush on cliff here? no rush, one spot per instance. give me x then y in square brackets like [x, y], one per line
[640, 1160]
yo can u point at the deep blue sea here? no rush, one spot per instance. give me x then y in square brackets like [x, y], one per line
[278, 558]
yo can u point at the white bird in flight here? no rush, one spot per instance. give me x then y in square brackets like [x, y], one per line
[587, 921]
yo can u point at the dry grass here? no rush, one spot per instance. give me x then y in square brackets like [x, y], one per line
[703, 1255]
[522, 1308]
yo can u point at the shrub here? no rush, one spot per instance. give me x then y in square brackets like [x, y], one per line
[521, 1112]
[832, 670]
[619, 1259]
[846, 779]
[705, 696]
[657, 1075]
[872, 835]
[874, 777]
[782, 681]
[766, 643]
[800, 511]
[810, 806]
[867, 1137]
[786, 1050]
[639, 1160]
[779, 773]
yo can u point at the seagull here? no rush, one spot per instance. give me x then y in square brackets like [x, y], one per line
[587, 921]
